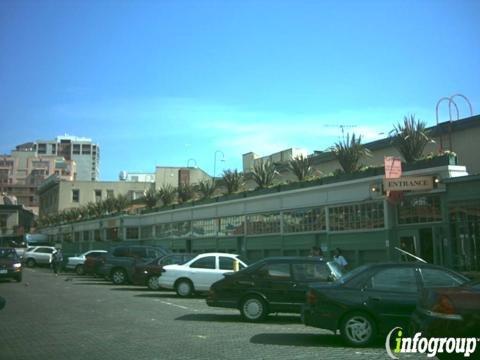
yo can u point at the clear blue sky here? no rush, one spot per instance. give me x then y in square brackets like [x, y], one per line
[160, 82]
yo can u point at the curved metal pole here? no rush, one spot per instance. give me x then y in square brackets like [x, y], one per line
[450, 102]
[215, 162]
[466, 99]
[188, 162]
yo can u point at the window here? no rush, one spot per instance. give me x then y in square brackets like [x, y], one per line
[44, 250]
[110, 194]
[232, 226]
[86, 149]
[54, 149]
[304, 220]
[356, 216]
[207, 227]
[394, 279]
[86, 235]
[263, 224]
[98, 195]
[439, 278]
[311, 271]
[204, 263]
[42, 148]
[112, 234]
[132, 233]
[75, 195]
[76, 236]
[97, 235]
[419, 209]
[276, 271]
[146, 232]
[138, 252]
[226, 263]
[76, 149]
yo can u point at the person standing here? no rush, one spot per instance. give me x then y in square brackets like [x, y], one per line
[57, 261]
[316, 251]
[339, 259]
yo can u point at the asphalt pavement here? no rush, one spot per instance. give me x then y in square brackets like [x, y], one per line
[50, 317]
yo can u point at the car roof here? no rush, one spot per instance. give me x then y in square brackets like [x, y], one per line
[293, 258]
[216, 254]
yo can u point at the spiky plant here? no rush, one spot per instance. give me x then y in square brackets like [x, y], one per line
[206, 188]
[233, 180]
[121, 203]
[185, 192]
[410, 138]
[167, 194]
[349, 151]
[301, 167]
[151, 197]
[109, 205]
[263, 173]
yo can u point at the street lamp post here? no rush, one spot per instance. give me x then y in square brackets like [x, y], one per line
[192, 159]
[215, 162]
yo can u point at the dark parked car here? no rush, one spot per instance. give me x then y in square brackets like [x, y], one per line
[276, 284]
[373, 299]
[448, 312]
[120, 263]
[10, 264]
[147, 274]
[93, 265]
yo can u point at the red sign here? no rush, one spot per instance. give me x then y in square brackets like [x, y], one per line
[393, 167]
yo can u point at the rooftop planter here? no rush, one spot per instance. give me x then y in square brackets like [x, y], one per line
[435, 161]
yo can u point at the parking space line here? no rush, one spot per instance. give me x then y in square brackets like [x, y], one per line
[176, 305]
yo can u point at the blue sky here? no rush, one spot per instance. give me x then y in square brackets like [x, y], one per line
[160, 82]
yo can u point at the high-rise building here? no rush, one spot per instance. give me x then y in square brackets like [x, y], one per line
[82, 150]
[67, 157]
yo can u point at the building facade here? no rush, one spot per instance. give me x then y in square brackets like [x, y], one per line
[57, 195]
[15, 221]
[348, 212]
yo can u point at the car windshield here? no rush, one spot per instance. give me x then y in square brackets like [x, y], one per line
[8, 254]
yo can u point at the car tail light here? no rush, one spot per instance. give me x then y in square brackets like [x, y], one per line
[311, 297]
[444, 308]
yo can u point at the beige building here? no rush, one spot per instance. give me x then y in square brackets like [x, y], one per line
[250, 159]
[175, 176]
[459, 136]
[57, 195]
[24, 170]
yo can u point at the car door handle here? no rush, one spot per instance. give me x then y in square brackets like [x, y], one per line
[245, 282]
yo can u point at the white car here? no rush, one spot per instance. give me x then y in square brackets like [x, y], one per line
[38, 255]
[199, 273]
[76, 262]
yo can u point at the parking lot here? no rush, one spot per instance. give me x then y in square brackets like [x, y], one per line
[74, 317]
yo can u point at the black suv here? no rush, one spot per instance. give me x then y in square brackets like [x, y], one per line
[276, 284]
[10, 264]
[121, 261]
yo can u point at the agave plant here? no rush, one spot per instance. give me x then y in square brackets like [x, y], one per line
[167, 194]
[349, 151]
[151, 197]
[233, 180]
[263, 173]
[301, 166]
[185, 192]
[206, 188]
[410, 138]
[109, 205]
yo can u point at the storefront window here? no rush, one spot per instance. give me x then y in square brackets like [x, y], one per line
[419, 209]
[232, 226]
[357, 216]
[263, 223]
[206, 227]
[304, 220]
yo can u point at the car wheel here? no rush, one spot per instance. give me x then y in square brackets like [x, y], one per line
[18, 278]
[119, 276]
[253, 309]
[358, 329]
[184, 288]
[80, 270]
[152, 283]
[31, 262]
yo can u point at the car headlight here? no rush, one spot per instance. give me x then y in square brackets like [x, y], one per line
[17, 265]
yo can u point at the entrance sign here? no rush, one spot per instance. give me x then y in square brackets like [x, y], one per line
[408, 183]
[393, 167]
